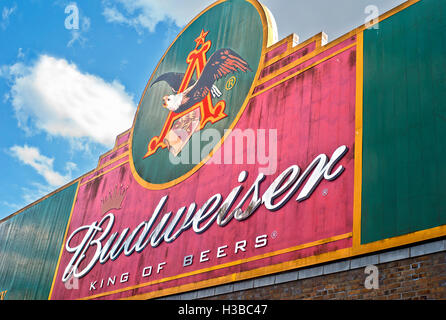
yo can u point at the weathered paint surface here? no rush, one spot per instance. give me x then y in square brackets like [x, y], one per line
[405, 123]
[313, 113]
[30, 244]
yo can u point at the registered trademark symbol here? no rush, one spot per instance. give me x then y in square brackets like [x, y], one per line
[274, 234]
[325, 192]
[230, 83]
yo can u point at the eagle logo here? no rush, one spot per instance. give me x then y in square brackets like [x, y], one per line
[190, 103]
[222, 63]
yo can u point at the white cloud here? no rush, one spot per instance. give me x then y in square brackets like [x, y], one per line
[146, 14]
[31, 156]
[44, 166]
[55, 97]
[113, 15]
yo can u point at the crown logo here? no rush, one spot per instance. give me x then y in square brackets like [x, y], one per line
[114, 199]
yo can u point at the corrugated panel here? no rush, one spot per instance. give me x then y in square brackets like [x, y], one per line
[404, 123]
[30, 243]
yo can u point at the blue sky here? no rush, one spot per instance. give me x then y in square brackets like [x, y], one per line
[72, 73]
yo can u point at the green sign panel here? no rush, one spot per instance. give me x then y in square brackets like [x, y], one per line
[404, 123]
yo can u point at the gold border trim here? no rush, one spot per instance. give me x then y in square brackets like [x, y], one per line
[105, 172]
[116, 147]
[292, 47]
[244, 275]
[227, 265]
[357, 184]
[334, 54]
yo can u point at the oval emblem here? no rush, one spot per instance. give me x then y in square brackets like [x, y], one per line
[186, 93]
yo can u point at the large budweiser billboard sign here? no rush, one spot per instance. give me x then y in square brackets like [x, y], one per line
[250, 157]
[229, 171]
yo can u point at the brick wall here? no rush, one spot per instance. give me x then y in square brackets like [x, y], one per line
[416, 278]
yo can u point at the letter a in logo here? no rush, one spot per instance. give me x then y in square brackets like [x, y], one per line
[190, 105]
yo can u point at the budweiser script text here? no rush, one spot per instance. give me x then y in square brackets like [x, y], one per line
[155, 230]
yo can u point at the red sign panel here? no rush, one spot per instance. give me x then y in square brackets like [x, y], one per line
[276, 187]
